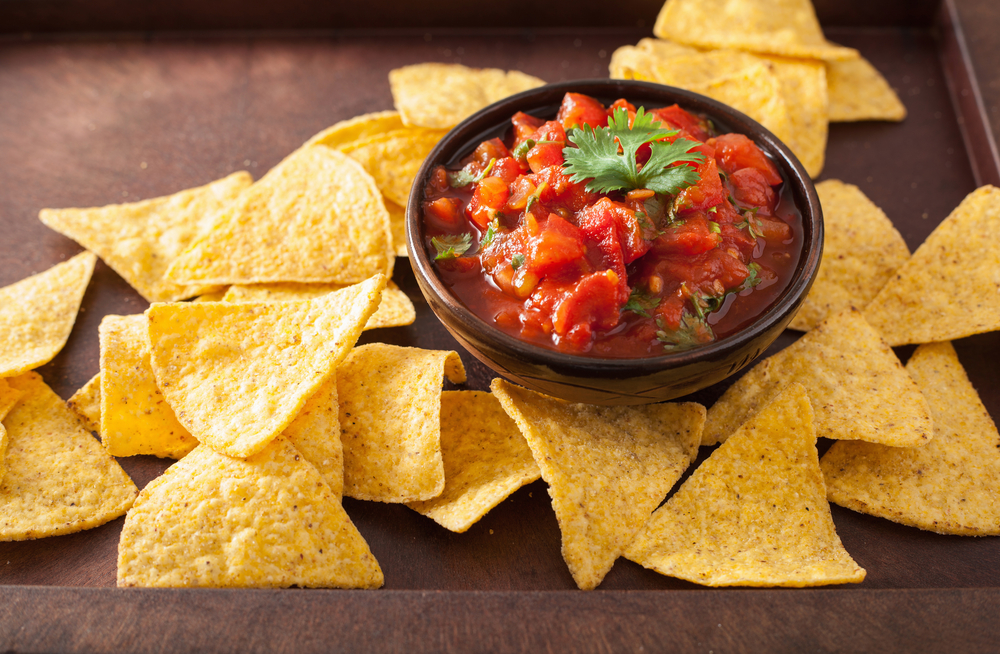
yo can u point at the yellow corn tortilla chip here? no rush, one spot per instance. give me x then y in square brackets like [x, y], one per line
[315, 217]
[135, 418]
[212, 296]
[950, 287]
[390, 421]
[485, 460]
[950, 484]
[358, 128]
[803, 85]
[861, 250]
[86, 404]
[269, 521]
[394, 310]
[607, 467]
[37, 314]
[755, 513]
[9, 396]
[782, 27]
[859, 92]
[397, 223]
[858, 388]
[59, 479]
[393, 158]
[236, 374]
[315, 433]
[442, 95]
[664, 48]
[140, 240]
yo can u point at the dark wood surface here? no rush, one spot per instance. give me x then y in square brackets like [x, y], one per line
[88, 121]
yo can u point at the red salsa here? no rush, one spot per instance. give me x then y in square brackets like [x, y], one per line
[614, 232]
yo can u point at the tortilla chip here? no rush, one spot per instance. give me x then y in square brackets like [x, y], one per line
[950, 287]
[315, 217]
[781, 27]
[358, 128]
[949, 485]
[59, 479]
[485, 460]
[394, 158]
[269, 521]
[443, 95]
[37, 314]
[859, 92]
[607, 467]
[665, 49]
[236, 374]
[9, 396]
[397, 222]
[803, 85]
[390, 421]
[140, 240]
[212, 296]
[755, 513]
[857, 386]
[135, 419]
[861, 250]
[315, 433]
[86, 404]
[395, 309]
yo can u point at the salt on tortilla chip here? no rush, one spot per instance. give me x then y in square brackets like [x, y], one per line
[37, 314]
[59, 479]
[803, 85]
[781, 27]
[390, 421]
[395, 309]
[236, 374]
[315, 217]
[858, 388]
[442, 95]
[86, 404]
[949, 485]
[755, 513]
[861, 250]
[140, 240]
[315, 433]
[950, 287]
[607, 467]
[859, 92]
[485, 460]
[135, 418]
[9, 396]
[397, 223]
[269, 521]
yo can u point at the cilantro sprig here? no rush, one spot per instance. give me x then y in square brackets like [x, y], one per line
[451, 246]
[640, 302]
[464, 177]
[596, 156]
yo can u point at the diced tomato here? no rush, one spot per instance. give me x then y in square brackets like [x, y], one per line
[774, 230]
[524, 125]
[551, 131]
[444, 213]
[491, 195]
[693, 237]
[508, 169]
[707, 193]
[488, 150]
[736, 151]
[594, 302]
[751, 189]
[578, 110]
[560, 245]
[677, 118]
[545, 155]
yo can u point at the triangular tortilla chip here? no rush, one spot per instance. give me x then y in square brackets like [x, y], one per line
[859, 92]
[755, 513]
[950, 484]
[607, 467]
[315, 433]
[485, 460]
[59, 479]
[140, 240]
[135, 419]
[236, 374]
[803, 85]
[442, 95]
[269, 521]
[395, 309]
[861, 250]
[390, 421]
[86, 404]
[315, 217]
[9, 396]
[37, 314]
[782, 27]
[393, 158]
[857, 386]
[358, 128]
[397, 223]
[950, 287]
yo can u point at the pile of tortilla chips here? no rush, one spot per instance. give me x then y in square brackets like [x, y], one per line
[767, 59]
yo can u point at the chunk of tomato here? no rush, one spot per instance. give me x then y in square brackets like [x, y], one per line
[545, 155]
[525, 125]
[592, 304]
[444, 213]
[677, 118]
[578, 110]
[693, 237]
[751, 189]
[707, 193]
[736, 151]
[557, 249]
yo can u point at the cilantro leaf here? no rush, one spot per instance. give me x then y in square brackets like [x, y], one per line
[491, 231]
[692, 331]
[517, 261]
[753, 278]
[451, 246]
[596, 157]
[641, 302]
[463, 177]
[752, 225]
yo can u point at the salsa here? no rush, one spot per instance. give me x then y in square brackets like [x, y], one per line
[614, 232]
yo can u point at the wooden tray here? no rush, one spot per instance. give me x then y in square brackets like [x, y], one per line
[87, 120]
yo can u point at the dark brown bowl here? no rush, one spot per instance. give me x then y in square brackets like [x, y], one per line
[612, 381]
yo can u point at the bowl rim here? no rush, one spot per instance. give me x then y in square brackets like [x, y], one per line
[486, 119]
